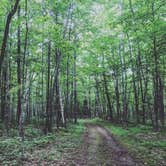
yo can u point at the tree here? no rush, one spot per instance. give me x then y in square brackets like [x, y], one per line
[6, 32]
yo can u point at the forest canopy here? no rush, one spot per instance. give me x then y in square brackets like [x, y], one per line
[63, 60]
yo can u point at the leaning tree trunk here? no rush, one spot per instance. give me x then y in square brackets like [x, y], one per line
[62, 107]
[6, 32]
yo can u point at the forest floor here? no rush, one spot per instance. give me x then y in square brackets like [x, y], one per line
[98, 148]
[89, 143]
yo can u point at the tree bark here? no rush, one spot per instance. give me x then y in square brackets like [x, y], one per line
[6, 32]
[108, 97]
[18, 71]
[48, 121]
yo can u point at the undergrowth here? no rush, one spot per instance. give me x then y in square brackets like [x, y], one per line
[38, 146]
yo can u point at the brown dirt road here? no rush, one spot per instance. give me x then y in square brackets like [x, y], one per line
[101, 149]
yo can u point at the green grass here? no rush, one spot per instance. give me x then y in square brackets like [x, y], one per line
[40, 147]
[144, 144]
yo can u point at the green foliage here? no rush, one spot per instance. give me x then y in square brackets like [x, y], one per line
[118, 39]
[57, 144]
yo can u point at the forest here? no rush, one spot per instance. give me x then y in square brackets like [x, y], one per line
[82, 82]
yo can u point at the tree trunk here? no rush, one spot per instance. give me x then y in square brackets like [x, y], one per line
[48, 116]
[75, 88]
[108, 97]
[19, 71]
[6, 32]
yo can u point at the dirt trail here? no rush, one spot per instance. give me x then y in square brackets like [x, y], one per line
[101, 149]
